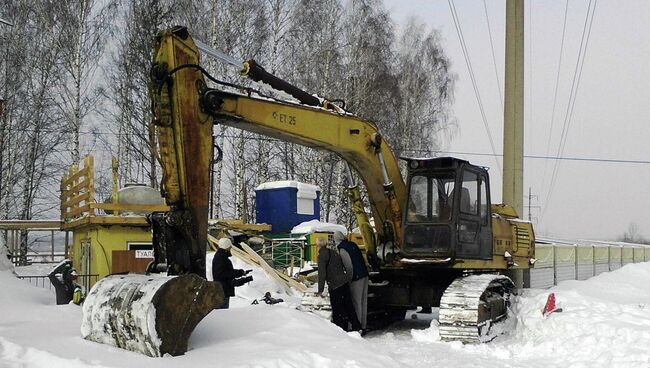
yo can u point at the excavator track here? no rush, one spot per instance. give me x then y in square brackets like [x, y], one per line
[472, 305]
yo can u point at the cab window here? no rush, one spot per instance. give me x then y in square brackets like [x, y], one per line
[469, 193]
[430, 197]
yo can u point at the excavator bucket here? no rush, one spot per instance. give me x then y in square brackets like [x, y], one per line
[153, 315]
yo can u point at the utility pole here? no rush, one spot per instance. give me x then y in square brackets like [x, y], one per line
[513, 125]
[513, 118]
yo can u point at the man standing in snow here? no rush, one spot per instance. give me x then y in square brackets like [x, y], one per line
[332, 271]
[355, 265]
[224, 272]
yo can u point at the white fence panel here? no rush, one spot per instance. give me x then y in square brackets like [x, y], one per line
[584, 262]
[614, 257]
[627, 255]
[542, 278]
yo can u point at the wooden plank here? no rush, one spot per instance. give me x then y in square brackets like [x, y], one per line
[130, 207]
[30, 224]
[82, 221]
[76, 189]
[119, 220]
[239, 225]
[76, 200]
[240, 254]
[76, 175]
[271, 271]
[106, 220]
[89, 164]
[249, 256]
[115, 186]
[76, 211]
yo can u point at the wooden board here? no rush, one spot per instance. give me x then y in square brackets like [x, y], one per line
[271, 271]
[126, 261]
[250, 257]
[131, 207]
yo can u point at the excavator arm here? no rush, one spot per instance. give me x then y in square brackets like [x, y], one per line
[354, 140]
[156, 314]
[184, 137]
[185, 102]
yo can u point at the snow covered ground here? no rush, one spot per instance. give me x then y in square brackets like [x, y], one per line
[605, 323]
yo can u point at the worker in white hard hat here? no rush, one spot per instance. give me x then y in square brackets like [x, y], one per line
[224, 272]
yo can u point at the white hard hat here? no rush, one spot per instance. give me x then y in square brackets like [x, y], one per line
[224, 243]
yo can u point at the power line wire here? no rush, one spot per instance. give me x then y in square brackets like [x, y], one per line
[494, 60]
[577, 75]
[540, 157]
[557, 82]
[468, 62]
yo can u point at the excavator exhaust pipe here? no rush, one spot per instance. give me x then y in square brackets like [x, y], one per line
[153, 315]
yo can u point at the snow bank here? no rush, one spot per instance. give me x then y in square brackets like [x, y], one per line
[313, 226]
[605, 323]
[36, 333]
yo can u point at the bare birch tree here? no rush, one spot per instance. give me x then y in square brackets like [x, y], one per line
[84, 30]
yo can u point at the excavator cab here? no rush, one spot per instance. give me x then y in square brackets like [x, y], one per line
[448, 213]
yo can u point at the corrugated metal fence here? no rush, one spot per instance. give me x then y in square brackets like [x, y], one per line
[558, 261]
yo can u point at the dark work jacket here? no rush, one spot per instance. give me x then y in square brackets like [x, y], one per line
[223, 271]
[330, 270]
[63, 285]
[358, 263]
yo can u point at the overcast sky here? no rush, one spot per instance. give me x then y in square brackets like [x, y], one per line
[611, 117]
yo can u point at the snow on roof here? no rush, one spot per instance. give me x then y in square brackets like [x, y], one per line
[287, 184]
[304, 190]
[313, 226]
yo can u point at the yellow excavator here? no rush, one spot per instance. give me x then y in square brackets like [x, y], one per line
[437, 240]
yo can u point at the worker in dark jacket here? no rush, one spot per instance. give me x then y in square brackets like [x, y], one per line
[355, 264]
[223, 271]
[331, 270]
[63, 278]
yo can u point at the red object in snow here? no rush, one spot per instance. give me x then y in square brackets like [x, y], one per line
[550, 305]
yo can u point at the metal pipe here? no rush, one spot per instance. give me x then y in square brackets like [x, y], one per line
[384, 172]
[257, 73]
[216, 54]
[351, 182]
